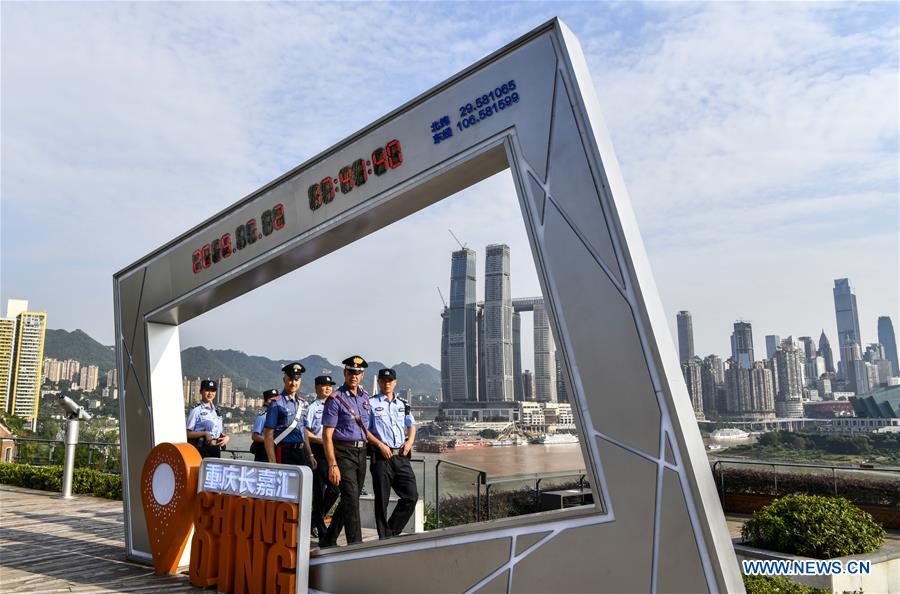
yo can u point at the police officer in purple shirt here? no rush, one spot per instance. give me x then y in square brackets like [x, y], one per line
[345, 434]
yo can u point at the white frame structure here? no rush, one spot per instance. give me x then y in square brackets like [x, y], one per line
[661, 527]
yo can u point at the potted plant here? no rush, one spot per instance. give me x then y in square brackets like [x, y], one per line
[800, 528]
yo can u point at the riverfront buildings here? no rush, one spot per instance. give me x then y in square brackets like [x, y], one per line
[847, 318]
[498, 326]
[481, 349]
[798, 373]
[685, 336]
[889, 341]
[742, 344]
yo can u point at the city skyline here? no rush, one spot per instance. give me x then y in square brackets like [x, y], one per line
[132, 124]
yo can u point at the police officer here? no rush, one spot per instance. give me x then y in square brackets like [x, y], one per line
[283, 430]
[324, 493]
[345, 434]
[204, 425]
[258, 447]
[392, 423]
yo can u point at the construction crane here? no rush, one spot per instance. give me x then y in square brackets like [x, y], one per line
[461, 246]
[442, 297]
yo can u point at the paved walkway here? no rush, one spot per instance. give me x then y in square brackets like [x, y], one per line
[51, 545]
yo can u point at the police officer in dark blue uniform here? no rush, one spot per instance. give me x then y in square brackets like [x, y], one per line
[204, 425]
[283, 429]
[393, 424]
[324, 493]
[258, 447]
[345, 435]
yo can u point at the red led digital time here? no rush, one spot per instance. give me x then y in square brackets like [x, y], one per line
[245, 234]
[355, 174]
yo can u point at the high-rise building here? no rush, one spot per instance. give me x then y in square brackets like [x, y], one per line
[885, 372]
[194, 392]
[479, 349]
[855, 372]
[711, 385]
[874, 352]
[89, 378]
[742, 344]
[762, 391]
[445, 354]
[815, 367]
[823, 386]
[889, 341]
[772, 365]
[773, 341]
[789, 402]
[738, 394]
[562, 390]
[685, 336]
[112, 378]
[544, 357]
[693, 377]
[528, 385]
[70, 370]
[825, 351]
[24, 375]
[809, 347]
[462, 331]
[847, 316]
[498, 325]
[225, 395]
[53, 370]
[7, 350]
[518, 388]
[872, 374]
[186, 389]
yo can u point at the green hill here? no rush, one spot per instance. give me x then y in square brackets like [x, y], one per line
[254, 374]
[249, 373]
[77, 345]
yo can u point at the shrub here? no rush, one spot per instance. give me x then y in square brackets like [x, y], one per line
[813, 526]
[85, 481]
[765, 584]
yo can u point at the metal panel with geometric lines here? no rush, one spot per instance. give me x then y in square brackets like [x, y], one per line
[660, 527]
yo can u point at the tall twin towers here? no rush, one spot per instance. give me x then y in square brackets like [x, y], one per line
[481, 350]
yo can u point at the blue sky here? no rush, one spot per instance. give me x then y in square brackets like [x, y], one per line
[759, 144]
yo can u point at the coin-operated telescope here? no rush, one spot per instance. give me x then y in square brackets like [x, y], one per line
[74, 413]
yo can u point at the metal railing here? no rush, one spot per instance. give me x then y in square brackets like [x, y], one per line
[49, 452]
[538, 478]
[423, 485]
[719, 466]
[480, 479]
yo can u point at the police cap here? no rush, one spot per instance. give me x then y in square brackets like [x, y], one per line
[273, 393]
[387, 374]
[208, 384]
[355, 363]
[293, 370]
[324, 380]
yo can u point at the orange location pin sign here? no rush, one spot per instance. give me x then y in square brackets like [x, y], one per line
[168, 489]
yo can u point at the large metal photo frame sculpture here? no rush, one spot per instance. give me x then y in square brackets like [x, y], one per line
[530, 107]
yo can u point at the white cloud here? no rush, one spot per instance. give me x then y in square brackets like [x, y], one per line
[758, 142]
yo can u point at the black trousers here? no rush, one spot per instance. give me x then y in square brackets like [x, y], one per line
[324, 494]
[291, 454]
[397, 473]
[351, 462]
[210, 451]
[259, 451]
